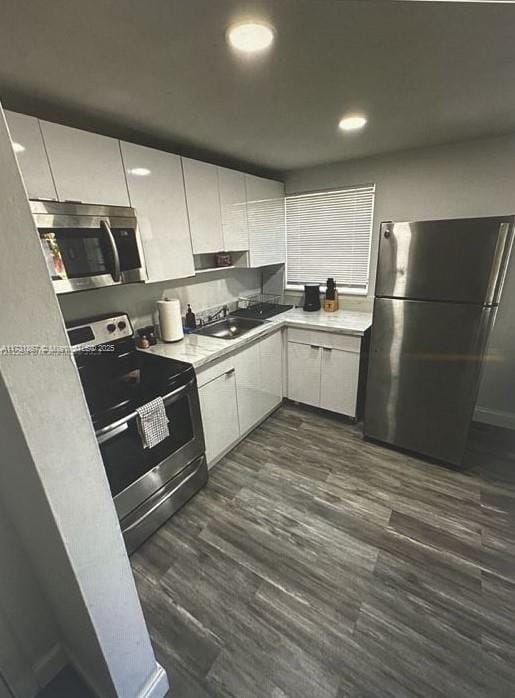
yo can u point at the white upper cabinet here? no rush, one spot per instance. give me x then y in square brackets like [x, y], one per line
[31, 155]
[201, 182]
[266, 221]
[233, 206]
[156, 191]
[86, 167]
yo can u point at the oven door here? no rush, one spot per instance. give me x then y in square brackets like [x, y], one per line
[90, 251]
[136, 473]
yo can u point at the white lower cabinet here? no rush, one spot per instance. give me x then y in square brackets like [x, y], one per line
[271, 362]
[323, 370]
[219, 414]
[238, 393]
[248, 374]
[258, 380]
[339, 381]
[304, 373]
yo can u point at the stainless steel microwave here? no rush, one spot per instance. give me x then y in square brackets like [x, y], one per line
[89, 246]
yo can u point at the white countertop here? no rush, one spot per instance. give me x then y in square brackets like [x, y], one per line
[200, 350]
[341, 322]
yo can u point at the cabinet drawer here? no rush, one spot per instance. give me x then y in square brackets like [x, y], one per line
[325, 339]
[208, 373]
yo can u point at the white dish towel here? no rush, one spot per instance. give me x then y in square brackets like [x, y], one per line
[153, 423]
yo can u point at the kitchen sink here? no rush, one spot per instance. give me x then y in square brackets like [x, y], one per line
[229, 328]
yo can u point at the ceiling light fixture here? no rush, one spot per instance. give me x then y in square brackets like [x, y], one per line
[250, 37]
[139, 171]
[352, 122]
[18, 147]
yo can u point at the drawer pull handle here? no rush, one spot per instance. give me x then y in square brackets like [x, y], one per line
[315, 346]
[328, 348]
[229, 372]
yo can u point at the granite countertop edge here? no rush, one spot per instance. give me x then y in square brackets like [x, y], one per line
[201, 350]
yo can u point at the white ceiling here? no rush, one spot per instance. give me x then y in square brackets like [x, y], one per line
[160, 72]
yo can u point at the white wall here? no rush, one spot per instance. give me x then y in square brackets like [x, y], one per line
[52, 481]
[30, 650]
[475, 178]
[139, 300]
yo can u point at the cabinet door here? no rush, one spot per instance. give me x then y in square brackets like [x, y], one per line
[248, 382]
[339, 383]
[304, 365]
[233, 206]
[31, 155]
[85, 166]
[201, 182]
[156, 191]
[271, 363]
[266, 220]
[219, 415]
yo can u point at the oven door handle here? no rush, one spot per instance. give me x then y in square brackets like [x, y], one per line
[110, 432]
[121, 425]
[115, 273]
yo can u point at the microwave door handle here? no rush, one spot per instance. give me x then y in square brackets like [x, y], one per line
[115, 273]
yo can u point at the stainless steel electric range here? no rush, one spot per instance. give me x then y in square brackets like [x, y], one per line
[148, 484]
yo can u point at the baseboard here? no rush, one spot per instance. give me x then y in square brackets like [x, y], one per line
[50, 665]
[84, 674]
[157, 686]
[497, 418]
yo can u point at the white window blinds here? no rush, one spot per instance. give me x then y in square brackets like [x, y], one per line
[328, 235]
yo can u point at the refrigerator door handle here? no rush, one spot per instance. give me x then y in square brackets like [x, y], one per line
[500, 264]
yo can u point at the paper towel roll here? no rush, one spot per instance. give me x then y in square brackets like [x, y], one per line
[170, 320]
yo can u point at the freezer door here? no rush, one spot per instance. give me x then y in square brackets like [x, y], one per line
[462, 260]
[423, 375]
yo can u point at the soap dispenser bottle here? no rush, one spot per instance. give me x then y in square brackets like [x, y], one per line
[191, 322]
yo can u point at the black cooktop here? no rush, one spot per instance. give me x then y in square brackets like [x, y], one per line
[262, 311]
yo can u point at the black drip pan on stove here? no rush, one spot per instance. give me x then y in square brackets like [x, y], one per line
[261, 311]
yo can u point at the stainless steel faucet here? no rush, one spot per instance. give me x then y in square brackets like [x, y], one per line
[224, 309]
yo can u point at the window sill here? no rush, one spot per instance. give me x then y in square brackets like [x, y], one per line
[342, 290]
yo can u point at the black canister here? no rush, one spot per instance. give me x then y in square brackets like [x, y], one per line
[311, 297]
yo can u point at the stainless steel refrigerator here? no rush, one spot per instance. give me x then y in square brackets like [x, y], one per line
[437, 289]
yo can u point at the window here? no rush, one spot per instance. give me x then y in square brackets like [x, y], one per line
[328, 235]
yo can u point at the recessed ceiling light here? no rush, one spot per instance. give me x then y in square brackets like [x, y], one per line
[352, 123]
[139, 171]
[250, 37]
[18, 147]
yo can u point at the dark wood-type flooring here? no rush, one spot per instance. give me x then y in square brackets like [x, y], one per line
[315, 564]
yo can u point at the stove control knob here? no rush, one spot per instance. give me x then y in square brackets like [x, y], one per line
[111, 327]
[122, 325]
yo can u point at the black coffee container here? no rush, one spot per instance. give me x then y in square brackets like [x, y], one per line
[311, 297]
